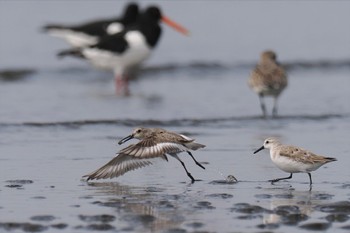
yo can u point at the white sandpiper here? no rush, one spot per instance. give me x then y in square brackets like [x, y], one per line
[293, 159]
[155, 143]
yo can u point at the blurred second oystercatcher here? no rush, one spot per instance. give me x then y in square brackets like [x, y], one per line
[125, 50]
[89, 33]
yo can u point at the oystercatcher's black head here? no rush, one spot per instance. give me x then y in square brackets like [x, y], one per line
[149, 24]
[131, 12]
[153, 12]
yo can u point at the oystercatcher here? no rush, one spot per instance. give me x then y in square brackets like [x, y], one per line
[89, 33]
[127, 49]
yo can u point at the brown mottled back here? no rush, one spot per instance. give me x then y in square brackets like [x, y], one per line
[268, 77]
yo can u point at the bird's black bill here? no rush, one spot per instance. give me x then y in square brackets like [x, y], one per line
[125, 139]
[261, 148]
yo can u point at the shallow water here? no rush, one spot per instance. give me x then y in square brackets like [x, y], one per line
[63, 121]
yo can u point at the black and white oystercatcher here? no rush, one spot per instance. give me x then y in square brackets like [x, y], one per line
[89, 33]
[127, 49]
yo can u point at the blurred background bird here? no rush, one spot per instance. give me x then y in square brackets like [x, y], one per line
[268, 78]
[126, 50]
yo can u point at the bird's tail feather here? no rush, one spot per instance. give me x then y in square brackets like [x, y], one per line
[330, 159]
[70, 52]
[194, 145]
[52, 26]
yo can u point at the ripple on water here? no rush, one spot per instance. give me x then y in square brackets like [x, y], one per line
[246, 208]
[114, 203]
[165, 204]
[263, 196]
[222, 182]
[286, 208]
[59, 226]
[100, 227]
[345, 186]
[176, 230]
[293, 219]
[20, 182]
[220, 195]
[39, 197]
[337, 218]
[284, 196]
[43, 218]
[195, 224]
[317, 226]
[143, 219]
[268, 226]
[336, 207]
[204, 205]
[17, 183]
[322, 196]
[27, 227]
[97, 218]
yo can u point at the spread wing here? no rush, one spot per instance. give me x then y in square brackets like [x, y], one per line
[117, 167]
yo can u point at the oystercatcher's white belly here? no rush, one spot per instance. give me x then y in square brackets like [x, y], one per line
[137, 51]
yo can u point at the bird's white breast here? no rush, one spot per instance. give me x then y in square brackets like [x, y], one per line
[290, 165]
[137, 52]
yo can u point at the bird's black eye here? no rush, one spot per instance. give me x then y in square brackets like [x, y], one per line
[138, 131]
[267, 142]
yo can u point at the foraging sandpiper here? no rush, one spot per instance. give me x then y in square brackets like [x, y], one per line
[155, 143]
[293, 159]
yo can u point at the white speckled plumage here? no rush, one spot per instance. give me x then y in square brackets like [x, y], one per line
[293, 159]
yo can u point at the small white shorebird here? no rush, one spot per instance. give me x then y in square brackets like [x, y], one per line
[268, 78]
[293, 159]
[155, 143]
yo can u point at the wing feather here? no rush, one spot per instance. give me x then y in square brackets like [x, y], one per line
[302, 155]
[118, 166]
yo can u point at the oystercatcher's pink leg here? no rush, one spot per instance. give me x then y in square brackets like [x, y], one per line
[121, 85]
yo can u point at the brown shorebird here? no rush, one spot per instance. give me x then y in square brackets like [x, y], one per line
[293, 159]
[268, 79]
[155, 143]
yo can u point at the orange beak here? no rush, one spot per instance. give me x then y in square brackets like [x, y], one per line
[174, 25]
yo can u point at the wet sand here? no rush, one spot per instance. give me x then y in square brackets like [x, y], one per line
[61, 120]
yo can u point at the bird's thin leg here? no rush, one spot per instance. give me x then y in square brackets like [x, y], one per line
[278, 179]
[118, 84]
[274, 109]
[310, 178]
[310, 181]
[262, 104]
[183, 164]
[126, 85]
[122, 85]
[195, 160]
